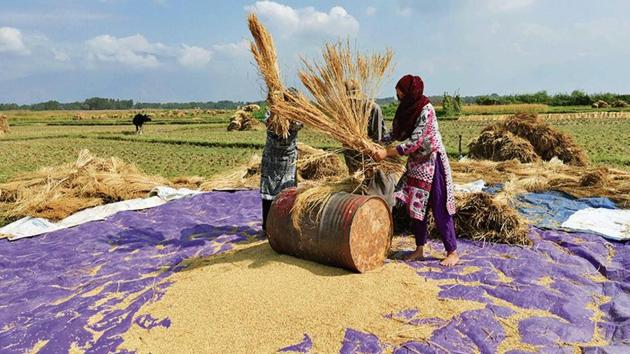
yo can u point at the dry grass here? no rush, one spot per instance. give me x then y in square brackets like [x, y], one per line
[264, 51]
[481, 217]
[246, 176]
[542, 176]
[57, 192]
[4, 124]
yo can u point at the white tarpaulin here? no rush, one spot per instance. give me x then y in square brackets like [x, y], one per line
[28, 227]
[610, 223]
[471, 187]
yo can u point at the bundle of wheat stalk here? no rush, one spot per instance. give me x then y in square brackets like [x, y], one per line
[264, 52]
[317, 164]
[4, 124]
[242, 120]
[57, 192]
[500, 145]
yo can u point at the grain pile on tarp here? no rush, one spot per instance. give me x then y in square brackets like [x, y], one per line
[155, 281]
[316, 164]
[242, 120]
[4, 124]
[547, 175]
[57, 192]
[546, 141]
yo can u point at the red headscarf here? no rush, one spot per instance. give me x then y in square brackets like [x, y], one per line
[410, 106]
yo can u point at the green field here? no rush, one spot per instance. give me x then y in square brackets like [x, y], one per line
[202, 146]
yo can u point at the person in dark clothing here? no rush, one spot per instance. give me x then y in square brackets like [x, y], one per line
[279, 164]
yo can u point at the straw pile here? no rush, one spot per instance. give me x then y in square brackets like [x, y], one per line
[250, 108]
[246, 176]
[546, 141]
[242, 120]
[547, 175]
[4, 124]
[57, 192]
[264, 52]
[620, 104]
[500, 145]
[600, 104]
[481, 217]
[317, 164]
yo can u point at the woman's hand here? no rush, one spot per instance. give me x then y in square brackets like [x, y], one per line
[379, 154]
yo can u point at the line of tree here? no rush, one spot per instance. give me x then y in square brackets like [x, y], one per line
[98, 103]
[575, 98]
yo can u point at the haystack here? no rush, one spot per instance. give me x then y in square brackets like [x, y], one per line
[620, 104]
[546, 141]
[600, 104]
[251, 108]
[242, 120]
[4, 124]
[481, 217]
[317, 164]
[57, 192]
[500, 145]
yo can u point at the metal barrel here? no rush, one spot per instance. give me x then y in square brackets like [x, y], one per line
[353, 231]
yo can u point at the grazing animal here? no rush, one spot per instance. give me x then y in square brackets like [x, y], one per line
[139, 120]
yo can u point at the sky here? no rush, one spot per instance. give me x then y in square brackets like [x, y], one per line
[197, 50]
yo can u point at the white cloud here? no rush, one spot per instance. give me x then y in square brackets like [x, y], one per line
[336, 22]
[508, 5]
[60, 55]
[194, 57]
[12, 41]
[370, 11]
[237, 49]
[133, 51]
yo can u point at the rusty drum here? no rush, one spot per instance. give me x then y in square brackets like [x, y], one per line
[353, 232]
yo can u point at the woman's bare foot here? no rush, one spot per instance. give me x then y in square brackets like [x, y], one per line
[417, 255]
[450, 260]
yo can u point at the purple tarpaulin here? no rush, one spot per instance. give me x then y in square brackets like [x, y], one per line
[86, 286]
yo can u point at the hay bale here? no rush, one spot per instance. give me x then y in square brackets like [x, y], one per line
[317, 164]
[600, 104]
[547, 141]
[242, 120]
[500, 145]
[483, 218]
[57, 192]
[620, 104]
[4, 124]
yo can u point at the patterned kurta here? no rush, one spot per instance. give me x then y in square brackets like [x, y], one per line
[423, 147]
[279, 163]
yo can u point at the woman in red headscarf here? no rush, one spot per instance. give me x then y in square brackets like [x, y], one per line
[427, 181]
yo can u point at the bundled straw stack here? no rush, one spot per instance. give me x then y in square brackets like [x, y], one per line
[242, 120]
[264, 52]
[57, 192]
[4, 124]
[496, 144]
[500, 145]
[317, 164]
[246, 176]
